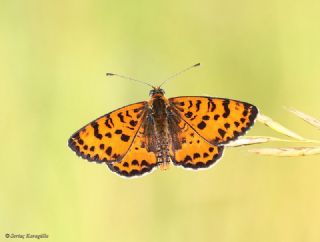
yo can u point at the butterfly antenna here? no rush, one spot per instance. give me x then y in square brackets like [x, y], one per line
[180, 72]
[129, 78]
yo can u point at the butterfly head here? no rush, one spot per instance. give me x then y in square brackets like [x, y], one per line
[156, 92]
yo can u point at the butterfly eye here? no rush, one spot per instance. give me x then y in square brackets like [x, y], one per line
[151, 93]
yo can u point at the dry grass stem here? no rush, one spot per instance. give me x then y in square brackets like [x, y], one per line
[288, 152]
[278, 127]
[252, 140]
[283, 151]
[309, 119]
[249, 140]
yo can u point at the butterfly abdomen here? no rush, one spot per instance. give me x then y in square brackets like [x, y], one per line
[159, 114]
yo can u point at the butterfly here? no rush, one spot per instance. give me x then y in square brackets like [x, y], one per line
[189, 131]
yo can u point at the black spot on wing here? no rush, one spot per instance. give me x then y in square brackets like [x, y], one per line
[108, 134]
[121, 117]
[115, 156]
[205, 117]
[202, 125]
[125, 137]
[128, 115]
[95, 127]
[236, 133]
[198, 105]
[227, 125]
[222, 132]
[133, 123]
[187, 158]
[144, 163]
[109, 123]
[211, 105]
[109, 150]
[253, 113]
[188, 114]
[226, 108]
[196, 155]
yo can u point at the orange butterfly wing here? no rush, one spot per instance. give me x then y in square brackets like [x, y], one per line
[109, 137]
[217, 120]
[137, 161]
[195, 152]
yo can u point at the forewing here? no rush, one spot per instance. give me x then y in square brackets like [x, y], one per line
[194, 152]
[217, 120]
[109, 137]
[139, 159]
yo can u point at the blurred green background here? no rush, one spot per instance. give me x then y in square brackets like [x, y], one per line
[54, 56]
